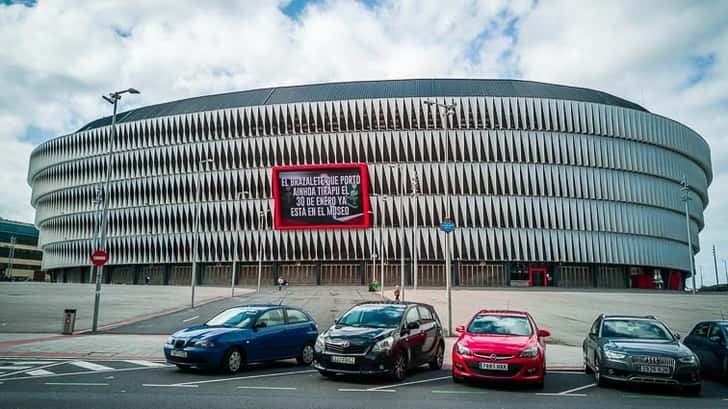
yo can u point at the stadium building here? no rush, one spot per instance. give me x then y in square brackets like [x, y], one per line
[548, 185]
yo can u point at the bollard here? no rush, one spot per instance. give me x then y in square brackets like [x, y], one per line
[69, 321]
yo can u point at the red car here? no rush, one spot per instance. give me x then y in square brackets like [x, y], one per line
[500, 345]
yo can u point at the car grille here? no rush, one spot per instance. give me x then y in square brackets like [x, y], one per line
[494, 357]
[179, 343]
[651, 360]
[341, 349]
[512, 370]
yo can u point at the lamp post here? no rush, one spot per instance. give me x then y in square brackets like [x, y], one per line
[381, 243]
[725, 266]
[103, 199]
[196, 231]
[715, 265]
[449, 112]
[11, 258]
[261, 220]
[686, 198]
[238, 196]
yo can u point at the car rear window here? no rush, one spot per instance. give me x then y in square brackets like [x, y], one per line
[500, 325]
[636, 329]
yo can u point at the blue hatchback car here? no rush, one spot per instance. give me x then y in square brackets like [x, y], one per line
[240, 335]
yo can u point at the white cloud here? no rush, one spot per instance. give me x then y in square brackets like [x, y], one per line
[57, 59]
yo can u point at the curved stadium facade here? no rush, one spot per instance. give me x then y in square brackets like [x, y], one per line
[549, 185]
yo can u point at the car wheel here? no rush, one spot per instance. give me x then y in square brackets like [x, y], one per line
[540, 383]
[597, 375]
[692, 390]
[725, 370]
[399, 370]
[233, 360]
[306, 356]
[436, 362]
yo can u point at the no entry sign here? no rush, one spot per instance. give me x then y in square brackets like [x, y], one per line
[99, 258]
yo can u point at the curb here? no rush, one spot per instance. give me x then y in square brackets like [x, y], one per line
[145, 317]
[96, 357]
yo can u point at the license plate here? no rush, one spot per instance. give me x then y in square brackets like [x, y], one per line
[348, 360]
[179, 354]
[655, 369]
[493, 367]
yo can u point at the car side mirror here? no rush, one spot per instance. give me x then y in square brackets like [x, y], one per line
[413, 325]
[543, 333]
[460, 329]
[677, 336]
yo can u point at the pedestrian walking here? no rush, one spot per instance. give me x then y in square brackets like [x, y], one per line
[281, 282]
[396, 293]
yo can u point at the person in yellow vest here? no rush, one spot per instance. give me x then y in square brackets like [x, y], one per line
[396, 293]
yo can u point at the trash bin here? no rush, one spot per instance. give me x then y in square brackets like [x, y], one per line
[69, 321]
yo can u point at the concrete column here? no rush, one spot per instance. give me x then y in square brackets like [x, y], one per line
[318, 273]
[165, 274]
[507, 267]
[594, 274]
[556, 274]
[362, 272]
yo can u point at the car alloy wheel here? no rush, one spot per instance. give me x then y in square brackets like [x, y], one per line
[306, 355]
[587, 368]
[400, 368]
[439, 358]
[233, 360]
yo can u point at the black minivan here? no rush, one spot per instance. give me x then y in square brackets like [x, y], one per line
[381, 338]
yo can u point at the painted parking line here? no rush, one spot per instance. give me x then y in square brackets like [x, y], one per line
[459, 392]
[410, 383]
[247, 377]
[92, 366]
[367, 390]
[76, 384]
[156, 385]
[580, 388]
[577, 395]
[191, 318]
[636, 396]
[32, 362]
[268, 388]
[12, 367]
[149, 364]
[73, 373]
[40, 372]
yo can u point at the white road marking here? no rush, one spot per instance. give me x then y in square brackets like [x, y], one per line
[367, 390]
[11, 367]
[74, 373]
[154, 385]
[247, 377]
[40, 372]
[578, 389]
[76, 384]
[90, 365]
[567, 372]
[32, 362]
[40, 367]
[561, 394]
[271, 388]
[409, 383]
[148, 363]
[191, 318]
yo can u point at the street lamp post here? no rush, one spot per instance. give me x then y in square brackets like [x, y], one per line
[384, 198]
[234, 225]
[449, 112]
[725, 266]
[261, 219]
[686, 198]
[100, 239]
[196, 231]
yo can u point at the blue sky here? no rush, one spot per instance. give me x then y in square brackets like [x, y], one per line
[58, 58]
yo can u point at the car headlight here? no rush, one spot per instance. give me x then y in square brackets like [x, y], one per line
[320, 344]
[687, 359]
[204, 344]
[462, 349]
[531, 352]
[169, 341]
[614, 354]
[383, 345]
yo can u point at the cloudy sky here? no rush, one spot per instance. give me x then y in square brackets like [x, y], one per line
[57, 58]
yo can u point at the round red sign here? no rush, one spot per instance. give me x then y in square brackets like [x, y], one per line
[99, 257]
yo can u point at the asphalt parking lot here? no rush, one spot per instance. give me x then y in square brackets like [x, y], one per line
[123, 384]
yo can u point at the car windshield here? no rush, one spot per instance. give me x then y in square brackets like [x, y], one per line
[500, 325]
[234, 317]
[378, 316]
[638, 329]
